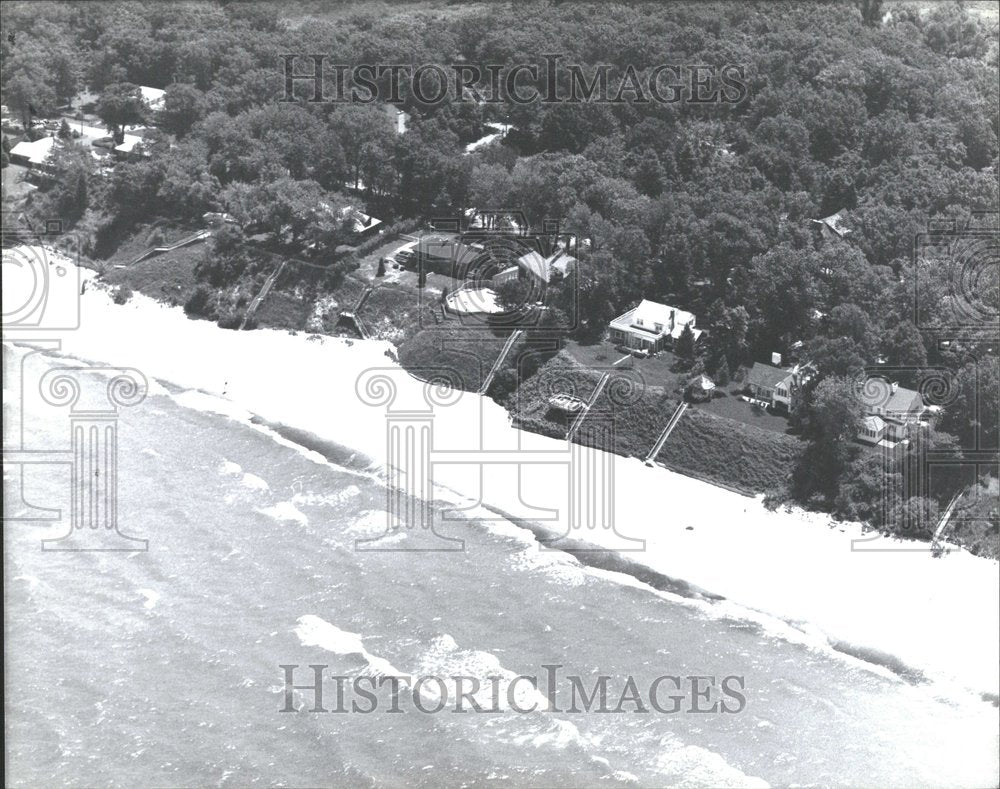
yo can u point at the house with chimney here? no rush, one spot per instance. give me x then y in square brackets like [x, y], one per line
[892, 416]
[651, 326]
[779, 388]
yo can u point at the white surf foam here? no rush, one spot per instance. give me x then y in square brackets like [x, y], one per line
[285, 512]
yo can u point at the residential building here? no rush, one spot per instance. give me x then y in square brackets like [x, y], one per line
[398, 117]
[33, 155]
[443, 253]
[361, 223]
[781, 389]
[540, 269]
[152, 97]
[833, 226]
[651, 326]
[127, 147]
[893, 416]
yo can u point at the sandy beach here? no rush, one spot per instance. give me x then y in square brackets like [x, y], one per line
[809, 578]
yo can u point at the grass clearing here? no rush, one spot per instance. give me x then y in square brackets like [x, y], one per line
[745, 457]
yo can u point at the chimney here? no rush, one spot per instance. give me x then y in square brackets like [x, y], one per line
[672, 314]
[776, 359]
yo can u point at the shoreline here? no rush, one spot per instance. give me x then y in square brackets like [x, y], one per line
[890, 599]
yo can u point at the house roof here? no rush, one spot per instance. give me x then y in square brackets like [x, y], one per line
[651, 313]
[904, 401]
[766, 376]
[152, 96]
[533, 263]
[359, 220]
[561, 262]
[874, 423]
[654, 312]
[128, 143]
[543, 268]
[835, 222]
[35, 152]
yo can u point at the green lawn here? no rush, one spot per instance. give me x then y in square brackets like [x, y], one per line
[729, 405]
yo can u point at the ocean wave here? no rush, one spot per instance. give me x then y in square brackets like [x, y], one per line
[285, 512]
[152, 597]
[374, 524]
[314, 631]
[444, 658]
[253, 482]
[330, 499]
[229, 469]
[694, 766]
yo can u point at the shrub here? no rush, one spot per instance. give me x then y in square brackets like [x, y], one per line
[122, 294]
[201, 304]
[230, 321]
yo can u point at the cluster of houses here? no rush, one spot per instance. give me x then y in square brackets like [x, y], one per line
[36, 155]
[651, 327]
[886, 421]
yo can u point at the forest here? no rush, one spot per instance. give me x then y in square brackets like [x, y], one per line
[888, 112]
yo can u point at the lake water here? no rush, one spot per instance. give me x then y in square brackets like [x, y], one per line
[161, 667]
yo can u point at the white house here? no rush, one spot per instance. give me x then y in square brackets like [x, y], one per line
[890, 418]
[33, 154]
[651, 326]
[153, 97]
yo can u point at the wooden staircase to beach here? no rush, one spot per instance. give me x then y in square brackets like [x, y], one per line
[665, 433]
[586, 409]
[514, 337]
[268, 284]
[201, 235]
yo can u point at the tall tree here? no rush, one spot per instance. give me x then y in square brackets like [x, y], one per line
[121, 105]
